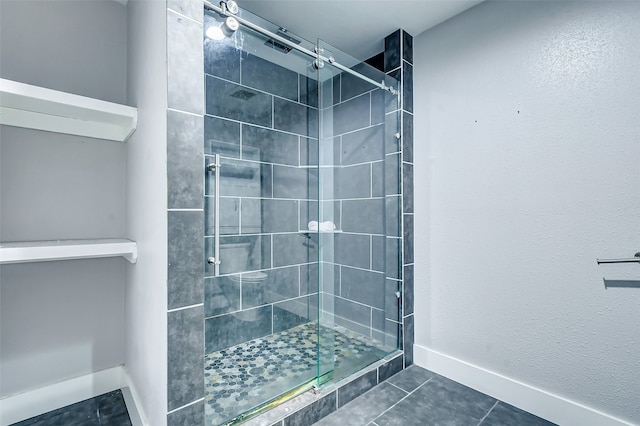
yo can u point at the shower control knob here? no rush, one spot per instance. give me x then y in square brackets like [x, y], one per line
[232, 7]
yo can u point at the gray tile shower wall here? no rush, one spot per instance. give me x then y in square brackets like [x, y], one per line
[185, 130]
[363, 122]
[262, 119]
[398, 62]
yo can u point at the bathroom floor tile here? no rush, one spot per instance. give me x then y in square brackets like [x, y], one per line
[409, 379]
[108, 409]
[439, 401]
[366, 407]
[505, 414]
[419, 397]
[240, 378]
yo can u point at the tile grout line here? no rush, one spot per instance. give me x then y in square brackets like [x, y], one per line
[403, 398]
[396, 386]
[488, 412]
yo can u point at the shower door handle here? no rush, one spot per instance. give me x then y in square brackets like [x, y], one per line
[215, 259]
[634, 259]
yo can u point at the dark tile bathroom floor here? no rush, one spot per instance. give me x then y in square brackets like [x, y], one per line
[418, 397]
[108, 409]
[251, 374]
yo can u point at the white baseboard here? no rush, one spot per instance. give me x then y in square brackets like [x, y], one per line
[132, 401]
[25, 405]
[544, 404]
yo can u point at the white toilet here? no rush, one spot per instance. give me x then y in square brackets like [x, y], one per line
[234, 257]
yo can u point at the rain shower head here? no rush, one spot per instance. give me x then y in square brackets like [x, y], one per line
[275, 44]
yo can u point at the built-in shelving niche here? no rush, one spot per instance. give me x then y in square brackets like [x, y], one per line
[33, 107]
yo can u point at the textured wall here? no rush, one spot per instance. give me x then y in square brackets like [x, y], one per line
[528, 145]
[146, 290]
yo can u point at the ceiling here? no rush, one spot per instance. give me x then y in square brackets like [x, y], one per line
[355, 26]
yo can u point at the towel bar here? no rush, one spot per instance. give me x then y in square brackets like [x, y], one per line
[634, 259]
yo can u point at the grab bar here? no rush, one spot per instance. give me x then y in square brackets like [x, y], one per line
[634, 259]
[215, 259]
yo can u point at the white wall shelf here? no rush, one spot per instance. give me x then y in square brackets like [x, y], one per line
[43, 251]
[33, 107]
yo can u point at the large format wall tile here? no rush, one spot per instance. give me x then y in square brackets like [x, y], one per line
[393, 257]
[221, 137]
[352, 115]
[190, 8]
[295, 118]
[269, 146]
[353, 181]
[185, 247]
[407, 137]
[378, 252]
[363, 216]
[229, 216]
[230, 100]
[185, 357]
[280, 284]
[308, 91]
[231, 329]
[184, 62]
[352, 86]
[184, 160]
[352, 250]
[293, 249]
[269, 77]
[293, 182]
[221, 295]
[355, 312]
[259, 253]
[392, 307]
[190, 415]
[363, 145]
[407, 87]
[363, 286]
[392, 52]
[407, 187]
[278, 215]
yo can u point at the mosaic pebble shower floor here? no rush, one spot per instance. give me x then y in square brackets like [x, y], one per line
[248, 375]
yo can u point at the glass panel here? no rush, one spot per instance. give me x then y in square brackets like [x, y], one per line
[261, 310]
[359, 240]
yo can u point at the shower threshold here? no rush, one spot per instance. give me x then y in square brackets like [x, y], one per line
[248, 379]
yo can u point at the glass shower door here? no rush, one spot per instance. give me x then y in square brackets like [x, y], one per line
[261, 299]
[359, 202]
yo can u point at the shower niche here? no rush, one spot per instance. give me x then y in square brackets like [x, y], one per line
[302, 213]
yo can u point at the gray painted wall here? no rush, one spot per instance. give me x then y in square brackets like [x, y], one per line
[527, 150]
[61, 187]
[146, 195]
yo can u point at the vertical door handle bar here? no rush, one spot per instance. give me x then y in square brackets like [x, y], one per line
[215, 259]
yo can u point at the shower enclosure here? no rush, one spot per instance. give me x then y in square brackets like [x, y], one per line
[302, 214]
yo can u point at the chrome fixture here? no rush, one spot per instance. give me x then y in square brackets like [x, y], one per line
[215, 259]
[224, 9]
[634, 259]
[231, 6]
[225, 29]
